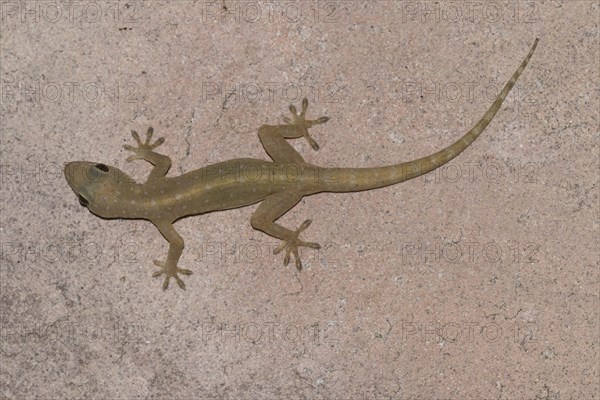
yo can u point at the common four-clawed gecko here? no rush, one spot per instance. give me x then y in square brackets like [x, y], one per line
[278, 185]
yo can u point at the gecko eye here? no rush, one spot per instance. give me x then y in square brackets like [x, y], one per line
[101, 167]
[83, 201]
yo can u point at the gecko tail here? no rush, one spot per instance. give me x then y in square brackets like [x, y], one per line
[357, 179]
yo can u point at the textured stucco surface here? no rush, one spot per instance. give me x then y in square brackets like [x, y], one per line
[479, 280]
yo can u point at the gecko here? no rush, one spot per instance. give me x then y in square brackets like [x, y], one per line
[278, 185]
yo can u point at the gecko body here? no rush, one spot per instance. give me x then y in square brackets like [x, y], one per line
[278, 185]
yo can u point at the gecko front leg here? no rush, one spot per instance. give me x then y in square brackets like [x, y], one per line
[169, 267]
[145, 151]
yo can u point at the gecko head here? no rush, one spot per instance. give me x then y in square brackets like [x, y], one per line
[100, 187]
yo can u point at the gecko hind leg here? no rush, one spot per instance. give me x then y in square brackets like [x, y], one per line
[291, 245]
[299, 120]
[270, 210]
[273, 137]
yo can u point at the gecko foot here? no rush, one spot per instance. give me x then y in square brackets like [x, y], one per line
[143, 150]
[304, 123]
[291, 245]
[170, 272]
